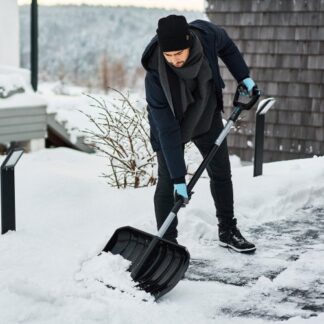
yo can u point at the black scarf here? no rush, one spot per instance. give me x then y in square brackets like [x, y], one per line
[196, 90]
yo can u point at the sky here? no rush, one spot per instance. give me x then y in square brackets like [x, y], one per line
[167, 4]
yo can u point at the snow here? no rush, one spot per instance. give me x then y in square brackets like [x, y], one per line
[10, 82]
[23, 100]
[51, 270]
[12, 78]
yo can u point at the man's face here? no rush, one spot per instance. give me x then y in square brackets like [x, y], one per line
[177, 58]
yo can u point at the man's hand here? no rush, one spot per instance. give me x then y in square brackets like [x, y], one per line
[180, 189]
[249, 85]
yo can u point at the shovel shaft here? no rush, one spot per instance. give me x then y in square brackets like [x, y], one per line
[156, 264]
[167, 223]
[142, 264]
[210, 155]
[238, 107]
[200, 170]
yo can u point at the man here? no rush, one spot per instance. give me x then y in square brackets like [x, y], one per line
[184, 95]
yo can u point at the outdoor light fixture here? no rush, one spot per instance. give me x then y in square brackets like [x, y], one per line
[263, 108]
[8, 210]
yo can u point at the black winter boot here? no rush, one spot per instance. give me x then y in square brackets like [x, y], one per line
[231, 237]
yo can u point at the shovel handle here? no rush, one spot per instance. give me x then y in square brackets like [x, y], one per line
[242, 98]
[239, 107]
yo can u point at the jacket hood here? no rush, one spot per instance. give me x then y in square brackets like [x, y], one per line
[149, 50]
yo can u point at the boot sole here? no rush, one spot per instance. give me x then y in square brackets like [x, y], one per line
[236, 249]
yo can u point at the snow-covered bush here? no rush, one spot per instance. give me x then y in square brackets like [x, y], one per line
[121, 133]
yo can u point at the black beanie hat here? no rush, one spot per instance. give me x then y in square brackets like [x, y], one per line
[173, 33]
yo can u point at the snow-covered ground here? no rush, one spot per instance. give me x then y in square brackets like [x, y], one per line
[50, 271]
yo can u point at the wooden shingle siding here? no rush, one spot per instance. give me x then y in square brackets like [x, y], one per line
[281, 47]
[21, 128]
[281, 75]
[22, 111]
[267, 18]
[283, 44]
[26, 136]
[257, 6]
[311, 105]
[22, 124]
[281, 33]
[9, 121]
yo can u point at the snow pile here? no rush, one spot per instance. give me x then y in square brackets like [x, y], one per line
[275, 195]
[11, 84]
[110, 270]
[15, 89]
[305, 266]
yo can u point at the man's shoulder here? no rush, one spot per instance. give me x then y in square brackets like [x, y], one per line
[200, 22]
[207, 27]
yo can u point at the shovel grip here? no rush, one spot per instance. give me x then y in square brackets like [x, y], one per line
[243, 99]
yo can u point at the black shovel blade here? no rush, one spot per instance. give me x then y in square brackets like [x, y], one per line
[158, 271]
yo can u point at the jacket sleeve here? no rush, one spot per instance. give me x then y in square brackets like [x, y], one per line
[167, 126]
[230, 54]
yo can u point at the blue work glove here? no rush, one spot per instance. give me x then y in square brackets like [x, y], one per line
[249, 84]
[180, 189]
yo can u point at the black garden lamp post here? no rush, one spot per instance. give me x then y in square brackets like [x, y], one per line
[263, 108]
[34, 44]
[8, 210]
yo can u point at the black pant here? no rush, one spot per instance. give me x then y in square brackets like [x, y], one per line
[219, 171]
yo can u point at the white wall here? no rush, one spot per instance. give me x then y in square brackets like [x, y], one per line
[9, 33]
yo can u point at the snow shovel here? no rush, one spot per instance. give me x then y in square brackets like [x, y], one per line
[157, 265]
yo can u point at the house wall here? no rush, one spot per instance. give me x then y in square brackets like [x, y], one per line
[283, 44]
[23, 116]
[9, 33]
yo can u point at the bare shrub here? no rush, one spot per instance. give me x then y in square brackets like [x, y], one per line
[121, 133]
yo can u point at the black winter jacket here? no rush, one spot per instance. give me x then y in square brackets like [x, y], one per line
[165, 128]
